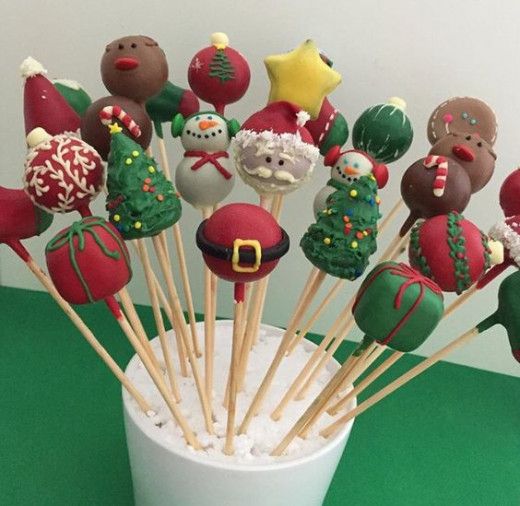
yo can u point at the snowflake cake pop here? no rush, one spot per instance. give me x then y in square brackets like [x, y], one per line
[205, 176]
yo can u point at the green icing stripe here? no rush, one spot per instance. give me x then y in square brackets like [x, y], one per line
[416, 257]
[458, 252]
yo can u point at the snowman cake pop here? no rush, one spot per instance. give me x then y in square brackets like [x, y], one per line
[205, 176]
[346, 168]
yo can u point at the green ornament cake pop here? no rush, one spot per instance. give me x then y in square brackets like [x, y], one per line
[74, 94]
[344, 235]
[384, 131]
[397, 306]
[141, 202]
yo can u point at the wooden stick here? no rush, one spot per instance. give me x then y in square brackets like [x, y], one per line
[165, 347]
[401, 381]
[175, 304]
[460, 300]
[280, 354]
[229, 448]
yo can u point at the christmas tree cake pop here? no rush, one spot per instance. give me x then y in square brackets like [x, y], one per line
[274, 152]
[346, 168]
[88, 261]
[510, 194]
[472, 153]
[218, 74]
[62, 173]
[206, 175]
[344, 236]
[452, 251]
[44, 106]
[74, 94]
[465, 115]
[411, 303]
[141, 202]
[384, 131]
[169, 102]
[434, 185]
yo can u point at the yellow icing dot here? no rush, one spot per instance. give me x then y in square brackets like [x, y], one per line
[327, 241]
[151, 169]
[372, 177]
[378, 200]
[329, 211]
[138, 225]
[354, 244]
[353, 193]
[117, 217]
[135, 153]
[128, 161]
[365, 233]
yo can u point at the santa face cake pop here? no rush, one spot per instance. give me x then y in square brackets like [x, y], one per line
[62, 173]
[134, 67]
[205, 175]
[434, 185]
[463, 114]
[274, 153]
[472, 153]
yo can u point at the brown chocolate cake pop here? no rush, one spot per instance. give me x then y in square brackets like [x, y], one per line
[134, 67]
[463, 114]
[96, 134]
[434, 185]
[472, 153]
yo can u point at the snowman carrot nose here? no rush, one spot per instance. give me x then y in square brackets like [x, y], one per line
[350, 171]
[205, 124]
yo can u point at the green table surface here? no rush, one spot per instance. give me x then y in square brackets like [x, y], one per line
[450, 437]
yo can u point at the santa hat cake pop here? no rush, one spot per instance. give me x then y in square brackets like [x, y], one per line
[44, 106]
[74, 94]
[452, 251]
[274, 152]
[62, 173]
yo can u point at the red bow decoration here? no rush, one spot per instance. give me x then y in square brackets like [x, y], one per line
[212, 158]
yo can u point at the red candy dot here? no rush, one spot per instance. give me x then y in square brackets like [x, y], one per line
[359, 235]
[145, 187]
[447, 118]
[460, 255]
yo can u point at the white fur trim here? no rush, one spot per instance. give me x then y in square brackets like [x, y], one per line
[68, 83]
[509, 238]
[302, 117]
[30, 67]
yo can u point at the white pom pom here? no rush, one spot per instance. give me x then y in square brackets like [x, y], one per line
[219, 40]
[302, 117]
[497, 252]
[37, 136]
[30, 67]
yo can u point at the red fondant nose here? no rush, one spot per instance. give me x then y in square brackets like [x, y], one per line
[126, 63]
[463, 152]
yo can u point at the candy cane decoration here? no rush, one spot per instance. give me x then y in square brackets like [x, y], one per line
[441, 163]
[109, 112]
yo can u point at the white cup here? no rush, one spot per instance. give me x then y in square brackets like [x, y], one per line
[163, 476]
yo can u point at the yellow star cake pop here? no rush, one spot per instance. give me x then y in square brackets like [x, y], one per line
[301, 77]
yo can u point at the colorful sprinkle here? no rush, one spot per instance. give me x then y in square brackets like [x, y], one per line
[327, 241]
[354, 244]
[359, 235]
[148, 180]
[138, 225]
[116, 217]
[151, 169]
[378, 200]
[346, 219]
[365, 233]
[128, 161]
[146, 187]
[160, 197]
[353, 193]
[135, 154]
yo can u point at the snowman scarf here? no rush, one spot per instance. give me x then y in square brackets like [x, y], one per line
[212, 158]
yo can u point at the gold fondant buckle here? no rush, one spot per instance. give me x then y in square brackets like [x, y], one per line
[235, 259]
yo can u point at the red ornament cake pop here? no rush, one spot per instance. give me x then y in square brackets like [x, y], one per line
[218, 74]
[452, 251]
[510, 194]
[88, 261]
[62, 173]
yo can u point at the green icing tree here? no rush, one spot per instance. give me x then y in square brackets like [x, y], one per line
[221, 67]
[342, 240]
[384, 131]
[141, 202]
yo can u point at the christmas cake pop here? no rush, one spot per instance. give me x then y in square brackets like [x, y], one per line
[62, 173]
[510, 194]
[44, 106]
[205, 176]
[434, 185]
[346, 168]
[74, 94]
[507, 313]
[344, 236]
[88, 261]
[452, 251]
[218, 74]
[274, 152]
[463, 114]
[472, 153]
[411, 303]
[20, 218]
[169, 102]
[141, 202]
[384, 131]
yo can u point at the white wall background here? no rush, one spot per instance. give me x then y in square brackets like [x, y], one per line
[424, 52]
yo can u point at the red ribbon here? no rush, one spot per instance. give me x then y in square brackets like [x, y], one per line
[212, 158]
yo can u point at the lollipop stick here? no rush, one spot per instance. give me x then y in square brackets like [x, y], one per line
[401, 381]
[460, 300]
[179, 319]
[158, 319]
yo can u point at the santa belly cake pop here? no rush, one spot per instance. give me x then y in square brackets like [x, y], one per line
[452, 251]
[434, 185]
[465, 115]
[346, 168]
[472, 153]
[206, 175]
[274, 152]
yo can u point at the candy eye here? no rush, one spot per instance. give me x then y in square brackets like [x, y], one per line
[468, 137]
[210, 117]
[107, 49]
[133, 45]
[465, 115]
[356, 165]
[197, 118]
[121, 46]
[280, 162]
[268, 159]
[479, 144]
